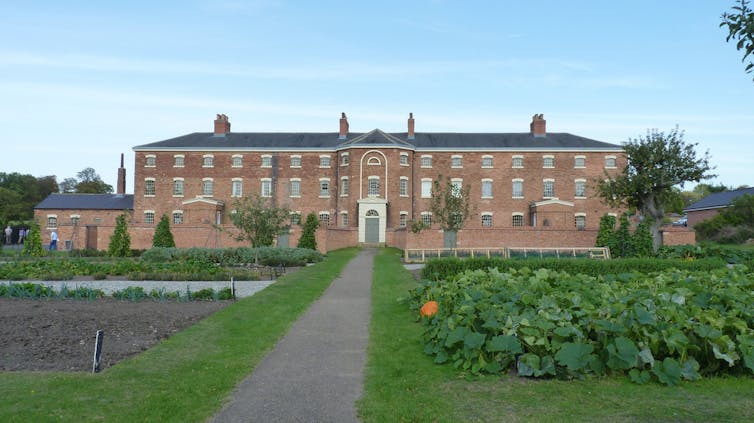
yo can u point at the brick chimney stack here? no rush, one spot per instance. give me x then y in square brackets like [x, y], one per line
[538, 126]
[121, 189]
[343, 134]
[222, 125]
[411, 133]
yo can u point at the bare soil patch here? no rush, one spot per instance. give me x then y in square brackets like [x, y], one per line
[60, 334]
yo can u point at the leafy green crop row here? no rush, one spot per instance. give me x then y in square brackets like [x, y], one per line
[665, 326]
[446, 268]
[266, 256]
[132, 293]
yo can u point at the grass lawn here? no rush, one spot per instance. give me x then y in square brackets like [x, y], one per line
[183, 379]
[404, 385]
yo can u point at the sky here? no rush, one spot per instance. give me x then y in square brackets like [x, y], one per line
[83, 81]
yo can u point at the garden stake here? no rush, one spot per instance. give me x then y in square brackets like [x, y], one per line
[97, 352]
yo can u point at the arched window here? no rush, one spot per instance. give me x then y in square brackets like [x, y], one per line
[372, 213]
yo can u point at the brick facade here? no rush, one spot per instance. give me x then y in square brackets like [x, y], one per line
[398, 165]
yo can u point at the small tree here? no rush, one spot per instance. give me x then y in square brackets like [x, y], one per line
[162, 235]
[308, 235]
[120, 241]
[450, 204]
[33, 242]
[642, 240]
[606, 233]
[622, 238]
[258, 220]
[656, 164]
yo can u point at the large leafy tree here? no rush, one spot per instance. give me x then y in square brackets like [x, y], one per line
[89, 182]
[258, 220]
[19, 194]
[740, 23]
[656, 164]
[450, 203]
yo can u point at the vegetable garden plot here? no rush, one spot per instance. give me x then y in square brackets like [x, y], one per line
[665, 326]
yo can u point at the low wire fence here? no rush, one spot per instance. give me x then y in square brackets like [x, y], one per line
[420, 255]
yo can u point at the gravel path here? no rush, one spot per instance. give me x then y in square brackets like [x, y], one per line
[243, 288]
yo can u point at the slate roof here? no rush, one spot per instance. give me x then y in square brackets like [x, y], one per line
[281, 141]
[719, 199]
[88, 202]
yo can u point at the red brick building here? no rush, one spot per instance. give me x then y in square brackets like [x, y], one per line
[529, 189]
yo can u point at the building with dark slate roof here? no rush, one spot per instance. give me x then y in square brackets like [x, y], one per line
[713, 204]
[528, 189]
[84, 220]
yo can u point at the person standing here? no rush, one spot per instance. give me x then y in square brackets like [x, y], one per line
[53, 241]
[21, 235]
[8, 233]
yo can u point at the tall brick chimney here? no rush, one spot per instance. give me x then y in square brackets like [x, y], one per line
[411, 134]
[222, 125]
[343, 134]
[121, 189]
[538, 126]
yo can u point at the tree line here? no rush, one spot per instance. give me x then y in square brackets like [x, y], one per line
[20, 193]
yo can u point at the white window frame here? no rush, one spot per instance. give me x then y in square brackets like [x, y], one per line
[146, 212]
[296, 157]
[403, 186]
[547, 157]
[576, 188]
[403, 219]
[325, 161]
[154, 187]
[457, 186]
[291, 190]
[374, 161]
[369, 186]
[486, 215]
[426, 218]
[176, 158]
[265, 183]
[208, 160]
[211, 182]
[484, 182]
[152, 158]
[489, 157]
[576, 219]
[344, 218]
[52, 221]
[234, 158]
[513, 188]
[424, 193]
[403, 159]
[327, 219]
[345, 187]
[345, 159]
[324, 193]
[426, 161]
[266, 161]
[236, 182]
[516, 158]
[576, 164]
[183, 187]
[179, 214]
[544, 188]
[75, 219]
[453, 159]
[295, 217]
[513, 219]
[614, 160]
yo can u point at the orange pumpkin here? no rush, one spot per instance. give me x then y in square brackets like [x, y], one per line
[429, 309]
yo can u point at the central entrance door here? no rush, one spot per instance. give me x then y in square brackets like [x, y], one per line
[372, 227]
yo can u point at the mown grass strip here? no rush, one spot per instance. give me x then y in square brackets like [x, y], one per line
[183, 379]
[403, 384]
